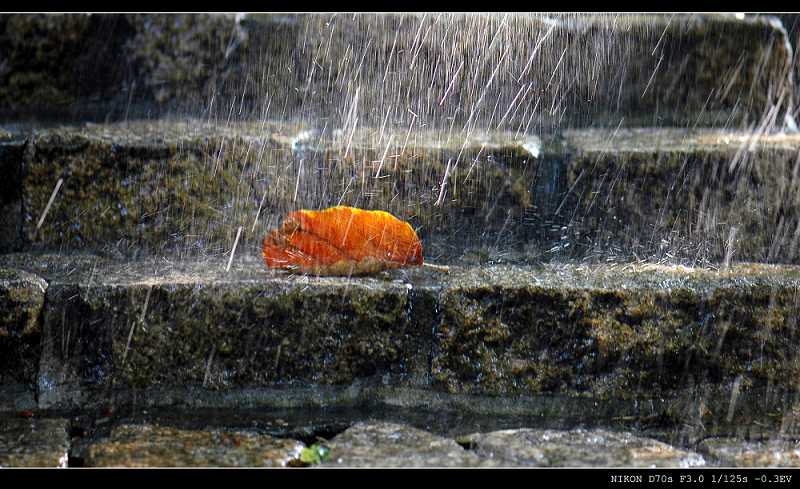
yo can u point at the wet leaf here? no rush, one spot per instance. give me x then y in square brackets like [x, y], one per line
[342, 241]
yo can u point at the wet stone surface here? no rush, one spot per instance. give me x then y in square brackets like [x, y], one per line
[614, 332]
[157, 446]
[731, 195]
[183, 189]
[357, 438]
[576, 448]
[33, 442]
[127, 186]
[171, 64]
[778, 452]
[393, 445]
[22, 297]
[192, 334]
[137, 331]
[21, 300]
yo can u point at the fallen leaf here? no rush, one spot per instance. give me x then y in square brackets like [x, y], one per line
[342, 241]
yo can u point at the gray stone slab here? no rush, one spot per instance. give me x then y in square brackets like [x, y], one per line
[33, 442]
[379, 444]
[184, 188]
[576, 448]
[608, 331]
[158, 446]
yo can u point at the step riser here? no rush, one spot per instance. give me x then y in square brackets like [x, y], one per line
[582, 70]
[497, 333]
[660, 195]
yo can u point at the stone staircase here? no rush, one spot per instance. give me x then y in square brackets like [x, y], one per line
[626, 262]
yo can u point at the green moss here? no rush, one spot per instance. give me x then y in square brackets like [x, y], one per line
[221, 337]
[123, 200]
[613, 343]
[690, 204]
[159, 189]
[40, 49]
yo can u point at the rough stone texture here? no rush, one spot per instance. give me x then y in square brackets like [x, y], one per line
[123, 193]
[21, 300]
[791, 23]
[33, 442]
[576, 448]
[50, 65]
[198, 326]
[158, 446]
[734, 452]
[683, 195]
[184, 188]
[182, 60]
[22, 297]
[380, 444]
[647, 69]
[189, 333]
[39, 43]
[672, 70]
[615, 332]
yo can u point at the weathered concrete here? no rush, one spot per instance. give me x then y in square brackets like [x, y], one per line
[33, 442]
[576, 448]
[157, 446]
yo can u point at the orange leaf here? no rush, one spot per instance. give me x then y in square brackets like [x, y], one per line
[342, 241]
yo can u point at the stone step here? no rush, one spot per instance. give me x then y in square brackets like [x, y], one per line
[184, 189]
[44, 442]
[438, 69]
[362, 444]
[157, 446]
[552, 340]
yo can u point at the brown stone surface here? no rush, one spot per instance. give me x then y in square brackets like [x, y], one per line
[576, 448]
[681, 195]
[183, 189]
[778, 452]
[158, 446]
